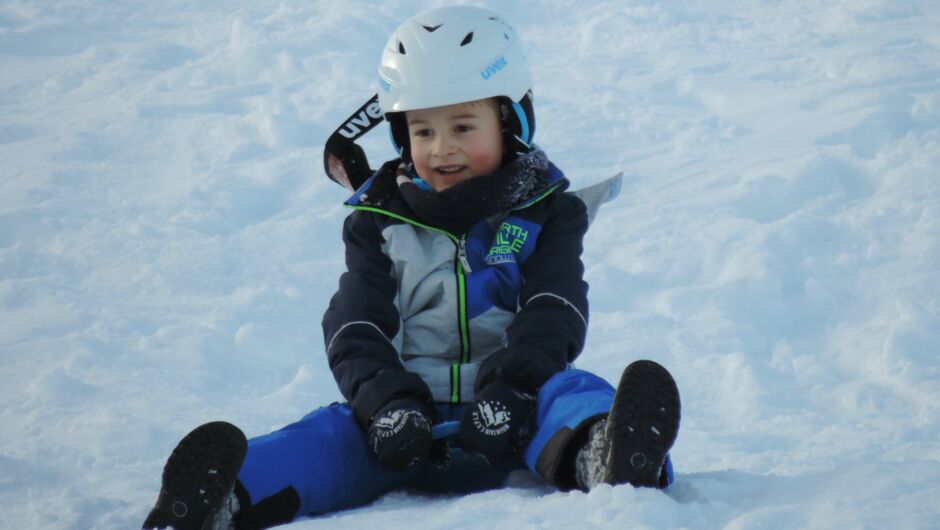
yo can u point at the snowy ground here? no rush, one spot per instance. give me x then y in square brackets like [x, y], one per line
[168, 244]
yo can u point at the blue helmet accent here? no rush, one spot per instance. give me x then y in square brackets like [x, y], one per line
[526, 135]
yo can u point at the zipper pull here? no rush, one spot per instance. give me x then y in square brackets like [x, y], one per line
[462, 255]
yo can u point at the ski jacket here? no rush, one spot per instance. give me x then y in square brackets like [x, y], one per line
[428, 314]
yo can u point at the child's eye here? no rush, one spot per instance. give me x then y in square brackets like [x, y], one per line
[464, 128]
[422, 133]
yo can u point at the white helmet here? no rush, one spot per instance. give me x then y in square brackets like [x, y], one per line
[451, 55]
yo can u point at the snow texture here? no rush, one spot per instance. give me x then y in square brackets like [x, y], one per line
[168, 243]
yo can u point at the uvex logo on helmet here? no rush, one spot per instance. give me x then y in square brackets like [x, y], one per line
[494, 68]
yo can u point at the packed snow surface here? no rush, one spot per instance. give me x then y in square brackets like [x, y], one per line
[168, 243]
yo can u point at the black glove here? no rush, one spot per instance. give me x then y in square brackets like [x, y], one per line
[498, 424]
[400, 434]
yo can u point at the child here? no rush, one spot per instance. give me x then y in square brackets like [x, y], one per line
[463, 304]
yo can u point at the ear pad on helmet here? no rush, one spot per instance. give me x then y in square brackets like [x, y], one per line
[398, 128]
[518, 123]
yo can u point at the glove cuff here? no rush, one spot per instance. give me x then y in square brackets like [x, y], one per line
[405, 404]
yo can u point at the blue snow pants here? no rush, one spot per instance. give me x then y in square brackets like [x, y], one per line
[322, 463]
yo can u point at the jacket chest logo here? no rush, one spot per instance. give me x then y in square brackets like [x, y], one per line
[508, 242]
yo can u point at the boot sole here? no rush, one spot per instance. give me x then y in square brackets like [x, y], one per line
[643, 425]
[198, 476]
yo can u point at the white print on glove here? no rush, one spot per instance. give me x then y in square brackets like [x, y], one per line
[491, 418]
[392, 423]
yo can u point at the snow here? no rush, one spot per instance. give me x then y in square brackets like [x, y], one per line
[168, 244]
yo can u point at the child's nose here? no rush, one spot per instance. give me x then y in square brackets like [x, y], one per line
[444, 144]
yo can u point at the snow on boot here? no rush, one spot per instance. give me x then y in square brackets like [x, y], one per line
[631, 444]
[591, 461]
[199, 480]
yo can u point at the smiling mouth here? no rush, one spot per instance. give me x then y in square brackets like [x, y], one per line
[449, 170]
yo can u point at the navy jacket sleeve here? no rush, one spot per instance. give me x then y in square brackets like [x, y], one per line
[549, 330]
[360, 323]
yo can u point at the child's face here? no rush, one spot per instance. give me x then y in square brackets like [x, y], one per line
[455, 143]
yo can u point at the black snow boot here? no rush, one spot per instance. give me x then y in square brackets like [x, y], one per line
[631, 444]
[199, 480]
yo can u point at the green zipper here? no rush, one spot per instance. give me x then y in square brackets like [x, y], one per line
[461, 268]
[455, 383]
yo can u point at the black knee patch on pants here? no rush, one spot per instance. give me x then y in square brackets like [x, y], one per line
[277, 509]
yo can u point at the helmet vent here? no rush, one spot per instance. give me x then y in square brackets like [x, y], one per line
[401, 48]
[432, 29]
[467, 39]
